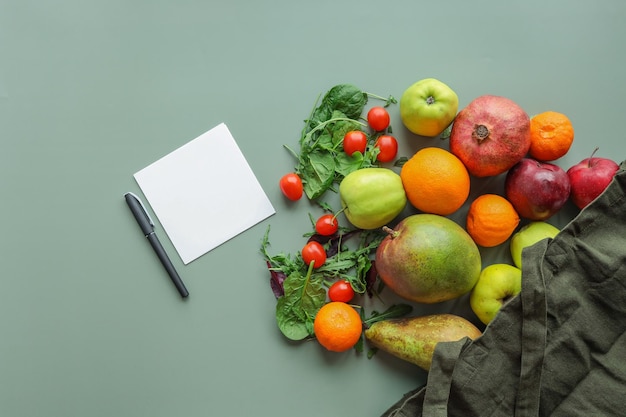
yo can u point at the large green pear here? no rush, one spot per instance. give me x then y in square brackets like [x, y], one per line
[413, 339]
[372, 197]
[428, 258]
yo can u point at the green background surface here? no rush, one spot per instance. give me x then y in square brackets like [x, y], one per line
[93, 91]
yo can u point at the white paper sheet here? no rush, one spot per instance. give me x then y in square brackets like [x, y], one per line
[204, 193]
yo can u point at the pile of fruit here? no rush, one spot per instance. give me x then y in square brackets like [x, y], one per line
[369, 244]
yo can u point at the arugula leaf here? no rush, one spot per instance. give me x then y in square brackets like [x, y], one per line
[394, 311]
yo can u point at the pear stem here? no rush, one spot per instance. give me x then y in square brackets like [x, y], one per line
[392, 233]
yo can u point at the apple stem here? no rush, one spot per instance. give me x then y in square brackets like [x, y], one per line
[591, 157]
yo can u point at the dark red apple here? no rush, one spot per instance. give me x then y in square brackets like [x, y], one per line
[536, 189]
[589, 178]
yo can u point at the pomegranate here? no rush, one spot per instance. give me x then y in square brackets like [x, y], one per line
[490, 135]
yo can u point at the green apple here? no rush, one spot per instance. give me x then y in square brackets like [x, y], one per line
[496, 284]
[372, 197]
[528, 235]
[428, 107]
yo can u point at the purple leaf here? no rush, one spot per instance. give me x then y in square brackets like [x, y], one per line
[370, 279]
[276, 281]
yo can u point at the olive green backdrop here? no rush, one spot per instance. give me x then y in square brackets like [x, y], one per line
[93, 91]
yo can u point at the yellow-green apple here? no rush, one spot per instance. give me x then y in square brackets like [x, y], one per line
[497, 284]
[428, 106]
[589, 178]
[527, 236]
[372, 197]
[536, 189]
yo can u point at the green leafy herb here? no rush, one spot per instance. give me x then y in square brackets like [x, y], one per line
[446, 132]
[394, 311]
[300, 289]
[295, 311]
[321, 160]
[303, 289]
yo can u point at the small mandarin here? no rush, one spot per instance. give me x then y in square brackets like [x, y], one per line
[491, 220]
[435, 181]
[551, 136]
[337, 326]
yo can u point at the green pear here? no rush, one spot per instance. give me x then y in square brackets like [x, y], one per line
[413, 339]
[372, 197]
[528, 235]
[496, 285]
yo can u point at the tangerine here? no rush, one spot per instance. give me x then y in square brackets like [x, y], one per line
[491, 220]
[337, 326]
[435, 181]
[551, 136]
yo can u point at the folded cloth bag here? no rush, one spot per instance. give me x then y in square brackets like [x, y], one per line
[556, 349]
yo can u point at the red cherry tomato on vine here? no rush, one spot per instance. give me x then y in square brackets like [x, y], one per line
[388, 146]
[378, 118]
[314, 252]
[341, 291]
[354, 140]
[327, 225]
[291, 186]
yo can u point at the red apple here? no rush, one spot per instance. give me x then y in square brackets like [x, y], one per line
[536, 189]
[589, 178]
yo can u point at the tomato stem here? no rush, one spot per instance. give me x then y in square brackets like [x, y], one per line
[339, 212]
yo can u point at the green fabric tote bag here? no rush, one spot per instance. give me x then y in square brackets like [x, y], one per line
[559, 347]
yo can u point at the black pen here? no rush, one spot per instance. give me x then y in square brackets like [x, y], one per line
[147, 227]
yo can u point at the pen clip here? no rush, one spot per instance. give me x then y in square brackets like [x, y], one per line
[143, 208]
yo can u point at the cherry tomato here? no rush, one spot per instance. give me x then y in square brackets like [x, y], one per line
[341, 291]
[327, 225]
[354, 140]
[388, 146]
[314, 252]
[291, 186]
[378, 118]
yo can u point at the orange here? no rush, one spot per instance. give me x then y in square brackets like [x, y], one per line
[435, 181]
[551, 136]
[337, 326]
[491, 220]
